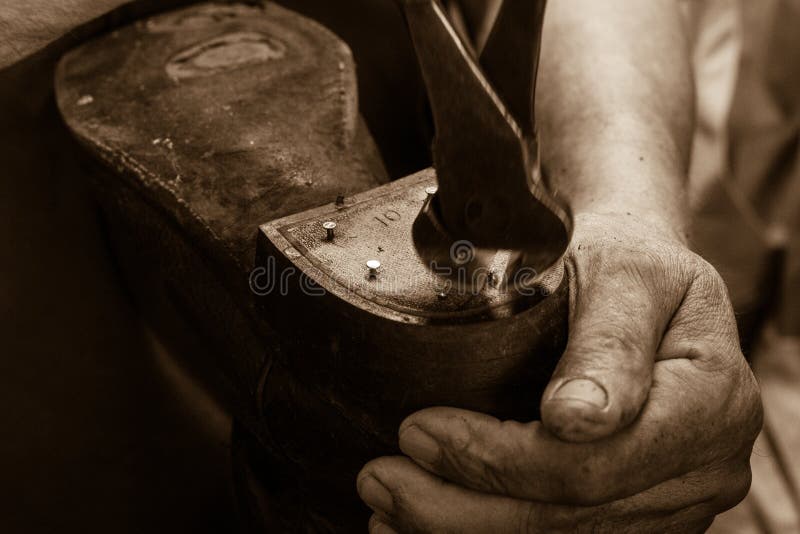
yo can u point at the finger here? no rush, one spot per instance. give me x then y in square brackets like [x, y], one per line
[414, 500]
[694, 416]
[421, 502]
[703, 408]
[704, 317]
[702, 344]
[378, 525]
[617, 318]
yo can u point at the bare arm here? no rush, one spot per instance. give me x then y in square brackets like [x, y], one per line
[615, 107]
[614, 104]
[650, 416]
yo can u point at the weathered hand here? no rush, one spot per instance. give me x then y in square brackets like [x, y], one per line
[647, 424]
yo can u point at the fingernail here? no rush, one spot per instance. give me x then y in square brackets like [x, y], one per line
[375, 495]
[582, 389]
[419, 445]
[378, 527]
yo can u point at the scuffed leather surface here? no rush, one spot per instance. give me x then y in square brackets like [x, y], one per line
[225, 150]
[192, 145]
[187, 166]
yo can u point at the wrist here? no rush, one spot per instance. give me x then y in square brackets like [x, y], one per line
[666, 219]
[625, 164]
[628, 187]
[625, 225]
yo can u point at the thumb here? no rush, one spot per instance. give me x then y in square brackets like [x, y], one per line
[617, 319]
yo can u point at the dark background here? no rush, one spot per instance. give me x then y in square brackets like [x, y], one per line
[100, 432]
[96, 437]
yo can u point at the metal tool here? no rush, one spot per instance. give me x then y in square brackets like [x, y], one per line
[491, 192]
[247, 243]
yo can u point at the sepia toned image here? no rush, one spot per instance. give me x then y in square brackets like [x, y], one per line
[400, 266]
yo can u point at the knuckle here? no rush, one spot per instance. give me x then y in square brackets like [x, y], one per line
[709, 324]
[724, 485]
[735, 487]
[469, 459]
[708, 280]
[496, 474]
[501, 463]
[383, 466]
[371, 468]
[491, 458]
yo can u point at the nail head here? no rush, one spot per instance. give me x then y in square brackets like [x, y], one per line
[373, 266]
[329, 227]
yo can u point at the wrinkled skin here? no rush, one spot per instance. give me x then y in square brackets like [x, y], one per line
[655, 438]
[651, 325]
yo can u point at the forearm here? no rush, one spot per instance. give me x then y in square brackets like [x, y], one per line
[615, 107]
[28, 26]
